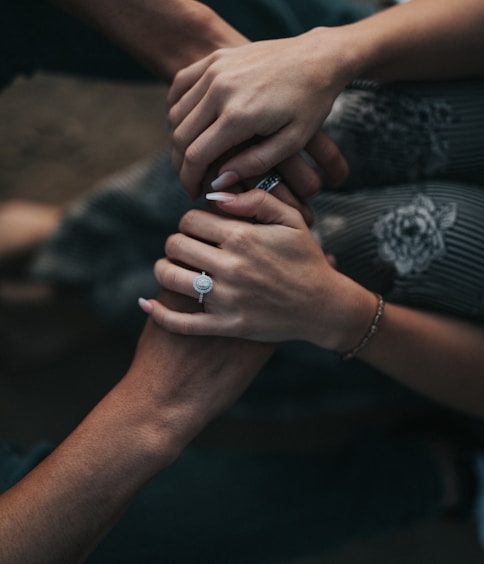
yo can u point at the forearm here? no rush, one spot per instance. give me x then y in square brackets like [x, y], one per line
[163, 35]
[437, 355]
[62, 509]
[420, 40]
[175, 386]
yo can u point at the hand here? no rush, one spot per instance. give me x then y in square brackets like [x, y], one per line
[295, 169]
[271, 279]
[273, 91]
[193, 379]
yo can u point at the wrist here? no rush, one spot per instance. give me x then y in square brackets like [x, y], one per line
[154, 441]
[350, 50]
[198, 31]
[346, 320]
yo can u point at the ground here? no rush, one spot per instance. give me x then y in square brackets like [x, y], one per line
[58, 137]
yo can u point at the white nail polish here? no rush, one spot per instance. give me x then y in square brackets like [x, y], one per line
[225, 180]
[220, 197]
[145, 305]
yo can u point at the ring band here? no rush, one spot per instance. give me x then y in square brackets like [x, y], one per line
[269, 182]
[202, 284]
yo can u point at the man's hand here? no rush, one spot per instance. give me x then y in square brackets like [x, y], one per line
[272, 96]
[192, 379]
[163, 35]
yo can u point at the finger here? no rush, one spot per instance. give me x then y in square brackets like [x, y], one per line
[283, 193]
[267, 153]
[199, 323]
[300, 176]
[186, 133]
[196, 254]
[201, 95]
[261, 206]
[328, 156]
[186, 78]
[204, 225]
[210, 145]
[175, 278]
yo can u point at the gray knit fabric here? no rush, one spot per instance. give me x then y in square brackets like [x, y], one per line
[408, 224]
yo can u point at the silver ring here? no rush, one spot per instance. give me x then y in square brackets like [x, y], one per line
[202, 284]
[269, 182]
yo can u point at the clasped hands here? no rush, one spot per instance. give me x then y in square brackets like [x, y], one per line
[258, 100]
[254, 109]
[271, 280]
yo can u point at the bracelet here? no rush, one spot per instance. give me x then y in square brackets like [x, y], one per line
[371, 331]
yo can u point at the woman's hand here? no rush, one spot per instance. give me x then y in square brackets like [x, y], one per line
[274, 93]
[271, 281]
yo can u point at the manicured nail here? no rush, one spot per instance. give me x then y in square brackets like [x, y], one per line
[225, 180]
[145, 305]
[220, 196]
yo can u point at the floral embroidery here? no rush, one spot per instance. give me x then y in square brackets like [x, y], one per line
[390, 133]
[412, 236]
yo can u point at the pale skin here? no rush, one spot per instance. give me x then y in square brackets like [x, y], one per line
[175, 386]
[283, 90]
[168, 35]
[272, 283]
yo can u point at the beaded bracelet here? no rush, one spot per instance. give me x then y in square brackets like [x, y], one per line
[371, 331]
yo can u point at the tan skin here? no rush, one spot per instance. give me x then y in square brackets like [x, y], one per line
[175, 386]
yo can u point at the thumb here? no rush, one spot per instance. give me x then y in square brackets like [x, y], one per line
[259, 206]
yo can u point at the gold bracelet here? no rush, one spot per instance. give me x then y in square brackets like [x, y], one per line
[371, 331]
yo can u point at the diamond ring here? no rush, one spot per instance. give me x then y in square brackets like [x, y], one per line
[202, 284]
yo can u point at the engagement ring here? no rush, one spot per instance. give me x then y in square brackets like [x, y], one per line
[202, 284]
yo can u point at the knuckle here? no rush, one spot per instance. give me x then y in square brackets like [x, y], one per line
[185, 326]
[177, 139]
[313, 184]
[240, 239]
[331, 152]
[180, 75]
[173, 245]
[158, 269]
[233, 116]
[293, 144]
[168, 276]
[260, 164]
[187, 221]
[193, 155]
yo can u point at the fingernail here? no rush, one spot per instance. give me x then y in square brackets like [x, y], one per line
[226, 179]
[221, 196]
[145, 305]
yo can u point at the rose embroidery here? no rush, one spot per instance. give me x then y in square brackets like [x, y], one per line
[412, 236]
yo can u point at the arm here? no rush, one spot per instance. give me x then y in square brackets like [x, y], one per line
[437, 355]
[167, 35]
[283, 90]
[264, 272]
[164, 35]
[174, 387]
[421, 40]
